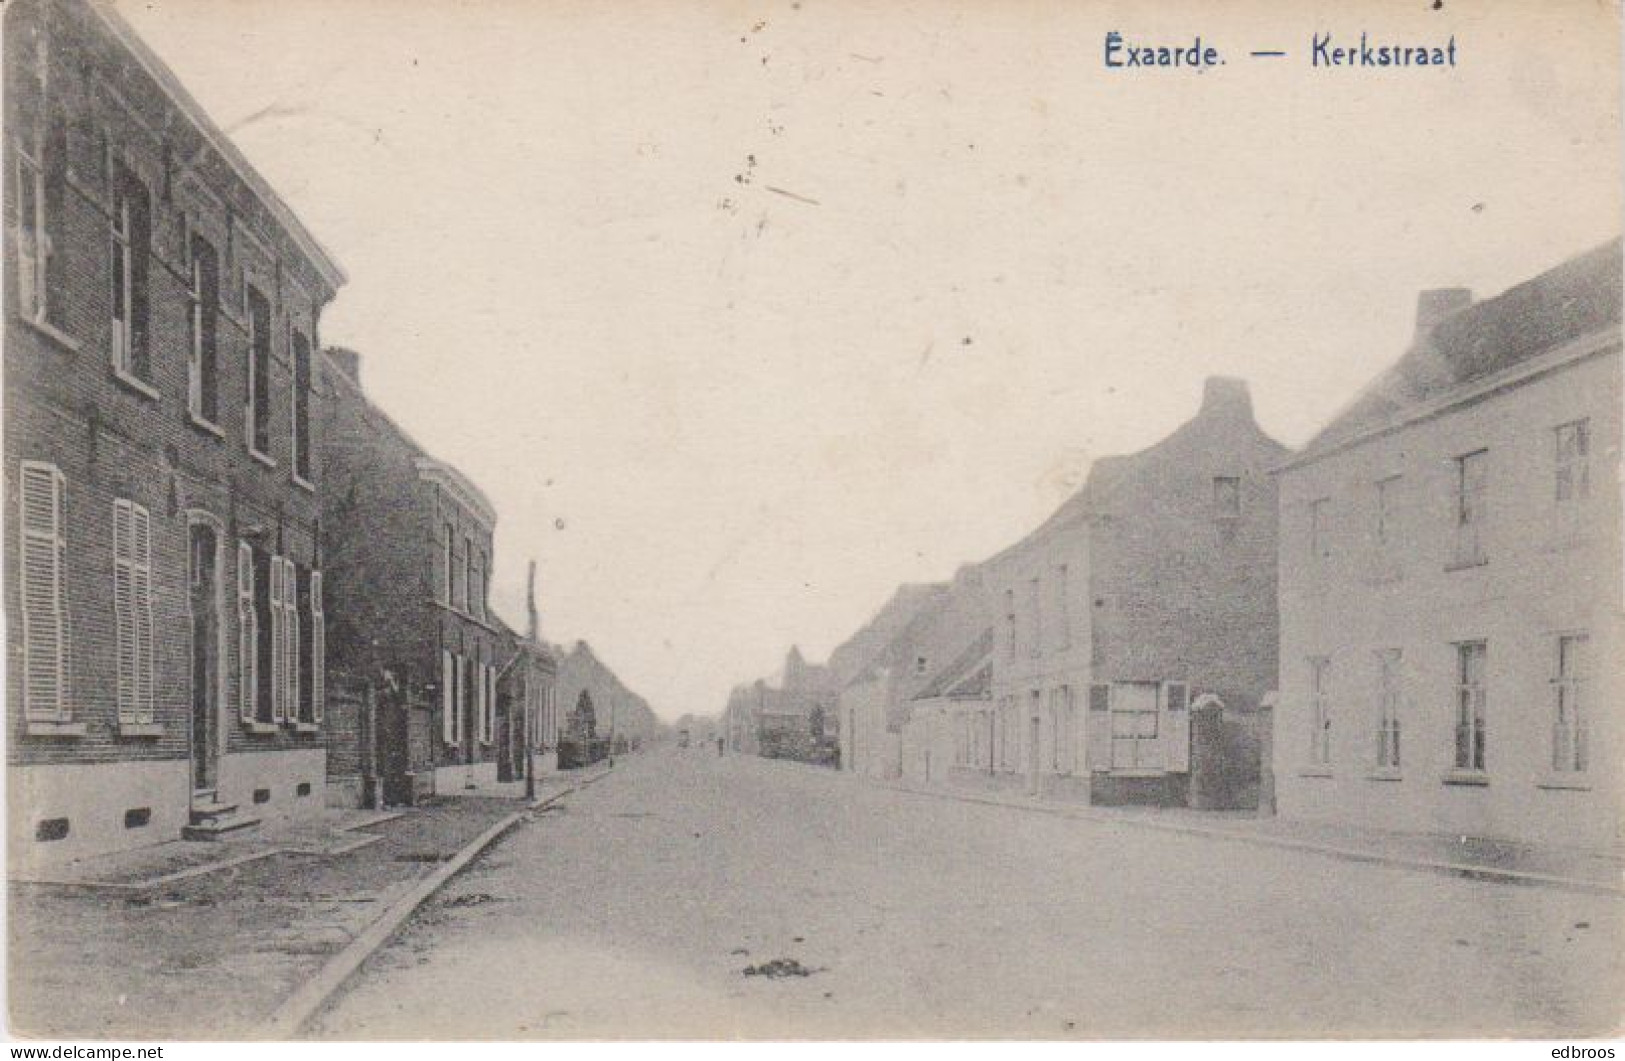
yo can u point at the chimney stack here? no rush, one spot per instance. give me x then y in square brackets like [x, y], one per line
[1435, 305]
[348, 362]
[1226, 394]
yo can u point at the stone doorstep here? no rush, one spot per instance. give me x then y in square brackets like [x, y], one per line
[1399, 849]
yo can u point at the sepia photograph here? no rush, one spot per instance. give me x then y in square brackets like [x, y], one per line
[715, 521]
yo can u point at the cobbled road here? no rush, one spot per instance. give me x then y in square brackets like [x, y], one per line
[689, 895]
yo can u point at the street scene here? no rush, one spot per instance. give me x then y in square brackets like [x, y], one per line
[647, 522]
[774, 900]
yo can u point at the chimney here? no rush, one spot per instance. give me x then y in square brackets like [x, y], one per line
[348, 362]
[1227, 395]
[1435, 305]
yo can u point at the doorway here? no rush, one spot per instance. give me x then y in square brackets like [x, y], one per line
[204, 595]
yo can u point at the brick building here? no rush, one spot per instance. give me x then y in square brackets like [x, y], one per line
[161, 430]
[409, 544]
[1450, 577]
[1155, 584]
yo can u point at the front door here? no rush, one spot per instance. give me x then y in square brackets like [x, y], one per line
[1134, 727]
[205, 599]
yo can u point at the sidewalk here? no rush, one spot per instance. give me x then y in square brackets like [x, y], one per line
[184, 939]
[1576, 869]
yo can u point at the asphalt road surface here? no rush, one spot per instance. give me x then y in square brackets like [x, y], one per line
[648, 905]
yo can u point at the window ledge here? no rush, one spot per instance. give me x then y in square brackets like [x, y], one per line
[1563, 783]
[306, 727]
[303, 483]
[1476, 778]
[205, 425]
[1467, 565]
[1315, 771]
[260, 727]
[262, 458]
[1125, 773]
[56, 729]
[1385, 775]
[140, 729]
[137, 384]
[57, 336]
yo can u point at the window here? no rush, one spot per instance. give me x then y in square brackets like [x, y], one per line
[466, 588]
[1568, 688]
[1063, 747]
[258, 410]
[1471, 658]
[448, 697]
[920, 664]
[1320, 712]
[1135, 715]
[447, 564]
[301, 406]
[481, 734]
[248, 618]
[314, 648]
[289, 646]
[132, 610]
[1472, 473]
[1063, 611]
[1389, 691]
[1226, 496]
[203, 364]
[130, 246]
[1573, 473]
[1319, 537]
[1010, 623]
[268, 636]
[43, 561]
[1387, 498]
[1035, 605]
[41, 176]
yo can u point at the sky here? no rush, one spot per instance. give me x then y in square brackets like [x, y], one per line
[743, 314]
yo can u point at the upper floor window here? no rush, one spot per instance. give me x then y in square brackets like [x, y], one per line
[1010, 623]
[1063, 610]
[1319, 536]
[1386, 513]
[130, 247]
[1226, 496]
[1472, 481]
[465, 587]
[1472, 658]
[259, 373]
[448, 564]
[1573, 472]
[301, 406]
[203, 363]
[1569, 720]
[40, 152]
[1035, 605]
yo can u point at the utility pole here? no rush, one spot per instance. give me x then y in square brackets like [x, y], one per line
[532, 635]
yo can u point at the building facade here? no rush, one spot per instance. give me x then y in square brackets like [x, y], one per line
[1450, 577]
[1150, 587]
[162, 427]
[409, 540]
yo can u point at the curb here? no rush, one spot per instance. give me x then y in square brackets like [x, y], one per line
[295, 1012]
[1466, 870]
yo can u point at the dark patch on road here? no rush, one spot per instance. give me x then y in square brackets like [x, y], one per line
[779, 968]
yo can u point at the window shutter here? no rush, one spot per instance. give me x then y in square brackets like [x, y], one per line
[141, 569]
[247, 635]
[491, 702]
[460, 701]
[1176, 728]
[1097, 745]
[318, 650]
[448, 697]
[279, 658]
[290, 640]
[44, 555]
[124, 608]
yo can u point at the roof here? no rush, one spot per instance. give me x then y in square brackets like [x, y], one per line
[968, 676]
[1580, 297]
[159, 71]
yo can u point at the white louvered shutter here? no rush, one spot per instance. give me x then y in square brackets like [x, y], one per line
[290, 640]
[279, 655]
[124, 608]
[43, 499]
[1097, 737]
[247, 635]
[318, 649]
[490, 702]
[141, 568]
[460, 701]
[479, 704]
[448, 697]
[1177, 726]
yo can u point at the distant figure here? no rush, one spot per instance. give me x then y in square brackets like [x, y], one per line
[719, 745]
